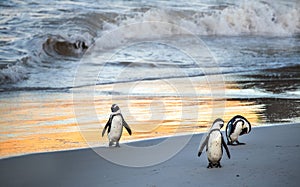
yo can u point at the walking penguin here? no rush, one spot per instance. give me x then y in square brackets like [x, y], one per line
[115, 125]
[214, 143]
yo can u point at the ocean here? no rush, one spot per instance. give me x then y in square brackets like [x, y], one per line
[172, 67]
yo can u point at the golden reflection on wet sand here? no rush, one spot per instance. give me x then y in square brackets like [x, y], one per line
[41, 122]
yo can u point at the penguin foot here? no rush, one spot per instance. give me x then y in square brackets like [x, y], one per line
[216, 165]
[235, 144]
[240, 143]
[117, 144]
[110, 144]
[210, 165]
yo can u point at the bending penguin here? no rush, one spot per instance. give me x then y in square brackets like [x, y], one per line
[236, 127]
[214, 143]
[115, 125]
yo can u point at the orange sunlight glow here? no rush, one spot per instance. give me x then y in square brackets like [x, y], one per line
[33, 122]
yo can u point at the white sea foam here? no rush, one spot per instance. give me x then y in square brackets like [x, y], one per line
[248, 18]
[142, 24]
[254, 18]
[13, 74]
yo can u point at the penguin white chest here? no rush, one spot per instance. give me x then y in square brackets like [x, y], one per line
[116, 129]
[238, 129]
[214, 147]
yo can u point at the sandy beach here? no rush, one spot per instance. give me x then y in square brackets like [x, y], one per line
[172, 67]
[270, 158]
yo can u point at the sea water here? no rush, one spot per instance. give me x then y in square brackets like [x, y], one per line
[167, 64]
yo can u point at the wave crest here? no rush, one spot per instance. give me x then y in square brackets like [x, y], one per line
[249, 18]
[13, 74]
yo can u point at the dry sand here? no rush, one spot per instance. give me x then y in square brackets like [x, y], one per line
[270, 158]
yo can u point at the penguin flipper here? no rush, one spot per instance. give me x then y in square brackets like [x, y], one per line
[199, 154]
[103, 131]
[108, 124]
[202, 145]
[126, 126]
[231, 126]
[225, 146]
[228, 130]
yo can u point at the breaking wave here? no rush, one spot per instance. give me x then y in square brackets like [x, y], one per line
[13, 74]
[252, 18]
[249, 18]
[78, 32]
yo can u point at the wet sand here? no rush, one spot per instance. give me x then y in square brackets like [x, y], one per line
[270, 158]
[41, 121]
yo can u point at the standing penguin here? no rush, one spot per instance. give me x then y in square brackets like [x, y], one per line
[214, 141]
[236, 127]
[115, 126]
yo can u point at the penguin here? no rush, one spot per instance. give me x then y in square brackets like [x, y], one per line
[214, 143]
[115, 125]
[236, 127]
[56, 45]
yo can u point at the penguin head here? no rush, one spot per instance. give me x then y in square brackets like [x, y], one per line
[218, 123]
[245, 123]
[114, 108]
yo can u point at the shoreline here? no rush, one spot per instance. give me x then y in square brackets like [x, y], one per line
[38, 122]
[269, 158]
[142, 140]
